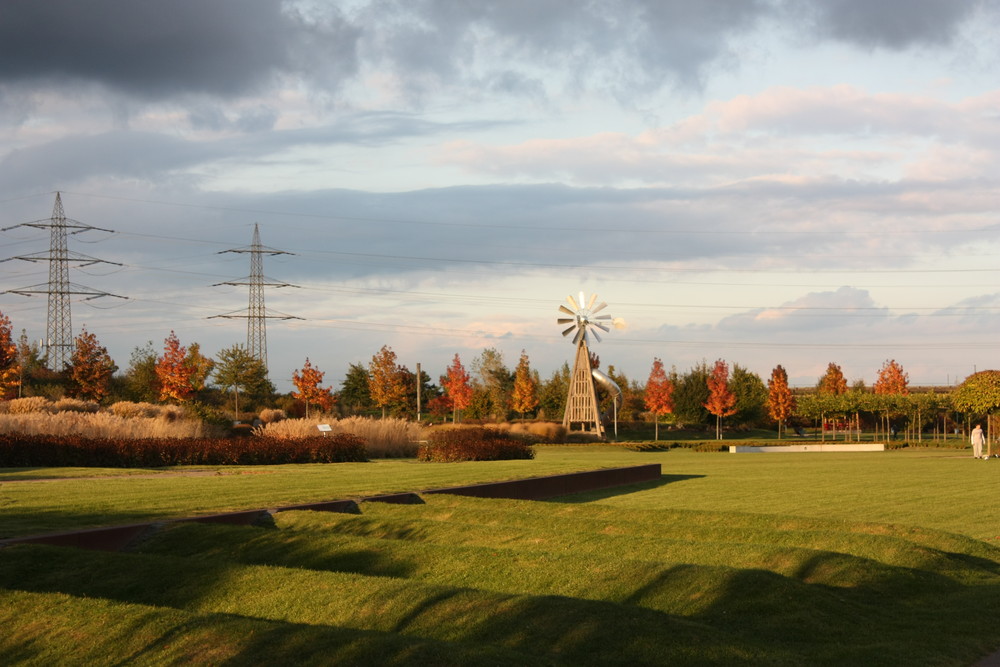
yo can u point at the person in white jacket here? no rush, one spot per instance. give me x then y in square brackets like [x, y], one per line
[978, 439]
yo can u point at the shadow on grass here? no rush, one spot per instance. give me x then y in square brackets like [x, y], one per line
[600, 494]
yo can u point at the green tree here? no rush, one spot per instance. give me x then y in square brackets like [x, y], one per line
[493, 382]
[29, 363]
[978, 395]
[691, 394]
[552, 393]
[751, 396]
[141, 380]
[237, 369]
[354, 395]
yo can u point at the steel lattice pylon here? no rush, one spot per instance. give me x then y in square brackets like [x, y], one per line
[59, 326]
[256, 314]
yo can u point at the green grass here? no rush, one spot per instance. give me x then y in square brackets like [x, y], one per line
[866, 558]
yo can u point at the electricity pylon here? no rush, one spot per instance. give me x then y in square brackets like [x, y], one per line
[58, 342]
[256, 315]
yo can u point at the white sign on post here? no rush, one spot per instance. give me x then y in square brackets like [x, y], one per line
[324, 428]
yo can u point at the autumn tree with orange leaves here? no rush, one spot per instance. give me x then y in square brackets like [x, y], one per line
[721, 401]
[780, 402]
[307, 381]
[385, 382]
[833, 382]
[458, 387]
[524, 397]
[659, 394]
[174, 372]
[9, 367]
[90, 368]
[892, 379]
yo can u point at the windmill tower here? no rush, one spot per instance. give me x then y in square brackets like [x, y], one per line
[581, 401]
[256, 315]
[58, 342]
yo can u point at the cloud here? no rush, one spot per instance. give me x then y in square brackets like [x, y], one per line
[152, 50]
[891, 24]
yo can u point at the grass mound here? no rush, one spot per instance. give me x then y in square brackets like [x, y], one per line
[467, 581]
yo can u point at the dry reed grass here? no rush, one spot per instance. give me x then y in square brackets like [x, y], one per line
[386, 438]
[25, 406]
[106, 425]
[548, 432]
[75, 405]
[271, 415]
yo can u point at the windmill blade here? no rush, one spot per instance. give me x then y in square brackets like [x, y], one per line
[601, 327]
[602, 317]
[597, 336]
[599, 308]
[564, 309]
[568, 330]
[593, 298]
[581, 333]
[572, 303]
[582, 299]
[565, 320]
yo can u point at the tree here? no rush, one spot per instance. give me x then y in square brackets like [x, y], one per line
[892, 379]
[833, 382]
[236, 369]
[493, 384]
[10, 370]
[524, 397]
[384, 382]
[199, 367]
[354, 395]
[172, 371]
[659, 394]
[90, 367]
[780, 402]
[751, 396]
[141, 379]
[457, 388]
[690, 394]
[721, 401]
[307, 381]
[552, 393]
[978, 395]
[29, 362]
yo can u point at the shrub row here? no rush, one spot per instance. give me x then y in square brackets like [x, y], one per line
[18, 450]
[473, 444]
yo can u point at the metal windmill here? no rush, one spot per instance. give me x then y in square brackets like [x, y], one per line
[581, 401]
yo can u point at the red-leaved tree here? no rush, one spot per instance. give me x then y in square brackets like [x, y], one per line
[90, 368]
[721, 401]
[833, 382]
[10, 376]
[780, 402]
[307, 381]
[524, 397]
[659, 395]
[892, 379]
[385, 380]
[174, 372]
[457, 385]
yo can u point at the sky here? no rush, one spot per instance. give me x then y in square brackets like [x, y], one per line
[761, 181]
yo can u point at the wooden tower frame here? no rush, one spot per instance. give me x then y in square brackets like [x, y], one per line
[581, 400]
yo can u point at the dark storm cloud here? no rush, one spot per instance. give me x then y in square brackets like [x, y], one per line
[155, 48]
[892, 24]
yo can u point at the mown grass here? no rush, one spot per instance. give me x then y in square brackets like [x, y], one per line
[883, 558]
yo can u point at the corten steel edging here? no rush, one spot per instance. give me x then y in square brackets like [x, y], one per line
[540, 488]
[116, 538]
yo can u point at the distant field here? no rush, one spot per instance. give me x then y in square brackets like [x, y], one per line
[868, 558]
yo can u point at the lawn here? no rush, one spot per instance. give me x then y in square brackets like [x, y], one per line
[864, 558]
